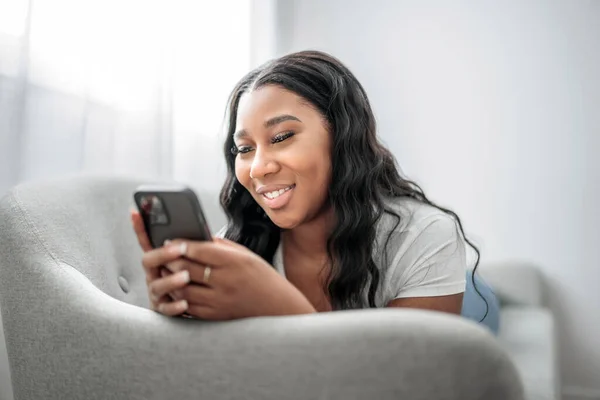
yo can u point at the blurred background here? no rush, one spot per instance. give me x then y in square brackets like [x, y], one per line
[494, 107]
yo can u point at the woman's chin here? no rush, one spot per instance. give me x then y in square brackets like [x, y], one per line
[283, 222]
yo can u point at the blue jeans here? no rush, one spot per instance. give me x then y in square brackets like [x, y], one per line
[474, 306]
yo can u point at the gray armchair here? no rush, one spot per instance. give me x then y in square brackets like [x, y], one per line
[76, 322]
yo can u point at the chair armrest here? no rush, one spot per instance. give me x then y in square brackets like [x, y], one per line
[71, 340]
[529, 336]
[515, 283]
[5, 385]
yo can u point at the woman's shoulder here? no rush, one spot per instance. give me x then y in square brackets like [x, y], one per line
[419, 250]
[407, 215]
[411, 226]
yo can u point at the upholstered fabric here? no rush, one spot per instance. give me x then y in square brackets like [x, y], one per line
[515, 283]
[77, 326]
[529, 336]
[5, 385]
[526, 327]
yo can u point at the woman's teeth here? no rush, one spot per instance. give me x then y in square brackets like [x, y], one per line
[276, 193]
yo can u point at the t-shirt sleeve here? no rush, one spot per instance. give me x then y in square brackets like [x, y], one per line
[433, 262]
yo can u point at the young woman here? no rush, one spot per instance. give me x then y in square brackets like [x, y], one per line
[319, 217]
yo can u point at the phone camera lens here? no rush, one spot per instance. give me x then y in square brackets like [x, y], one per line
[152, 206]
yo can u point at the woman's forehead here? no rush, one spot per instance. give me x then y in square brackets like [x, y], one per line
[269, 102]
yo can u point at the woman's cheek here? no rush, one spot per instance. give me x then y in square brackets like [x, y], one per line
[242, 172]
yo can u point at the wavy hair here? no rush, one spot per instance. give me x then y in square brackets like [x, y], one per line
[364, 172]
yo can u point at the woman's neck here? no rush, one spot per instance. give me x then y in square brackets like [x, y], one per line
[311, 237]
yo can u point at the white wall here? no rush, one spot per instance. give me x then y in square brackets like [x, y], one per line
[495, 108]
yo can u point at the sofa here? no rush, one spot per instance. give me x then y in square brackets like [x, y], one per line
[77, 324]
[527, 328]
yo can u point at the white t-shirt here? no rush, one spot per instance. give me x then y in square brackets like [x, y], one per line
[425, 255]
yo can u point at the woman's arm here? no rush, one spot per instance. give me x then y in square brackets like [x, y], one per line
[451, 303]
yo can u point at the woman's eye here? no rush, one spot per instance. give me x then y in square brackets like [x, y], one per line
[282, 137]
[235, 150]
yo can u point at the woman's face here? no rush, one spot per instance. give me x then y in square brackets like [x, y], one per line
[283, 155]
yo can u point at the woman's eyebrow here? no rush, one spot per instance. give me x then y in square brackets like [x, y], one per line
[240, 134]
[268, 124]
[279, 119]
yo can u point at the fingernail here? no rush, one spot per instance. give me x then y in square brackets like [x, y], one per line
[182, 305]
[184, 276]
[167, 242]
[183, 248]
[174, 249]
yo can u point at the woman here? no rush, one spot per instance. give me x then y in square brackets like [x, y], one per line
[319, 217]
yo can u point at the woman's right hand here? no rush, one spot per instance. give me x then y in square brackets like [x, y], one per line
[159, 280]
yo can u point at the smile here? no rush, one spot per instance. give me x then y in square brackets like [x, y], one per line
[278, 198]
[275, 194]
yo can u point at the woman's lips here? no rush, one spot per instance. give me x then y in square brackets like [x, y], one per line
[278, 198]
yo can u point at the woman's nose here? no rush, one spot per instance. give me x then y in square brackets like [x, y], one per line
[262, 165]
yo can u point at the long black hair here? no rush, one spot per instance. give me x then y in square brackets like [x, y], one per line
[364, 174]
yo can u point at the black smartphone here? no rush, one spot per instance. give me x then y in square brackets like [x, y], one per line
[171, 212]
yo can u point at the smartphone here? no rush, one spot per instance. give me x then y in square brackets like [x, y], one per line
[171, 212]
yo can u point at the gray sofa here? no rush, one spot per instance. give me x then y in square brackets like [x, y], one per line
[76, 324]
[527, 328]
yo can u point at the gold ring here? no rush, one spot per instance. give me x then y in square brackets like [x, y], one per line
[207, 271]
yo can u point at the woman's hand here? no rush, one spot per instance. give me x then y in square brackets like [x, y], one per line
[239, 283]
[160, 280]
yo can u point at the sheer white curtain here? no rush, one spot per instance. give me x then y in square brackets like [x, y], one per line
[118, 86]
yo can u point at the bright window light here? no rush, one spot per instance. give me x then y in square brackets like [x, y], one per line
[13, 15]
[117, 51]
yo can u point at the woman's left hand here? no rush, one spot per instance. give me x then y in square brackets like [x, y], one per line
[240, 284]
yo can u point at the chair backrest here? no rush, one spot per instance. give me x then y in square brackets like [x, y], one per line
[81, 221]
[515, 282]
